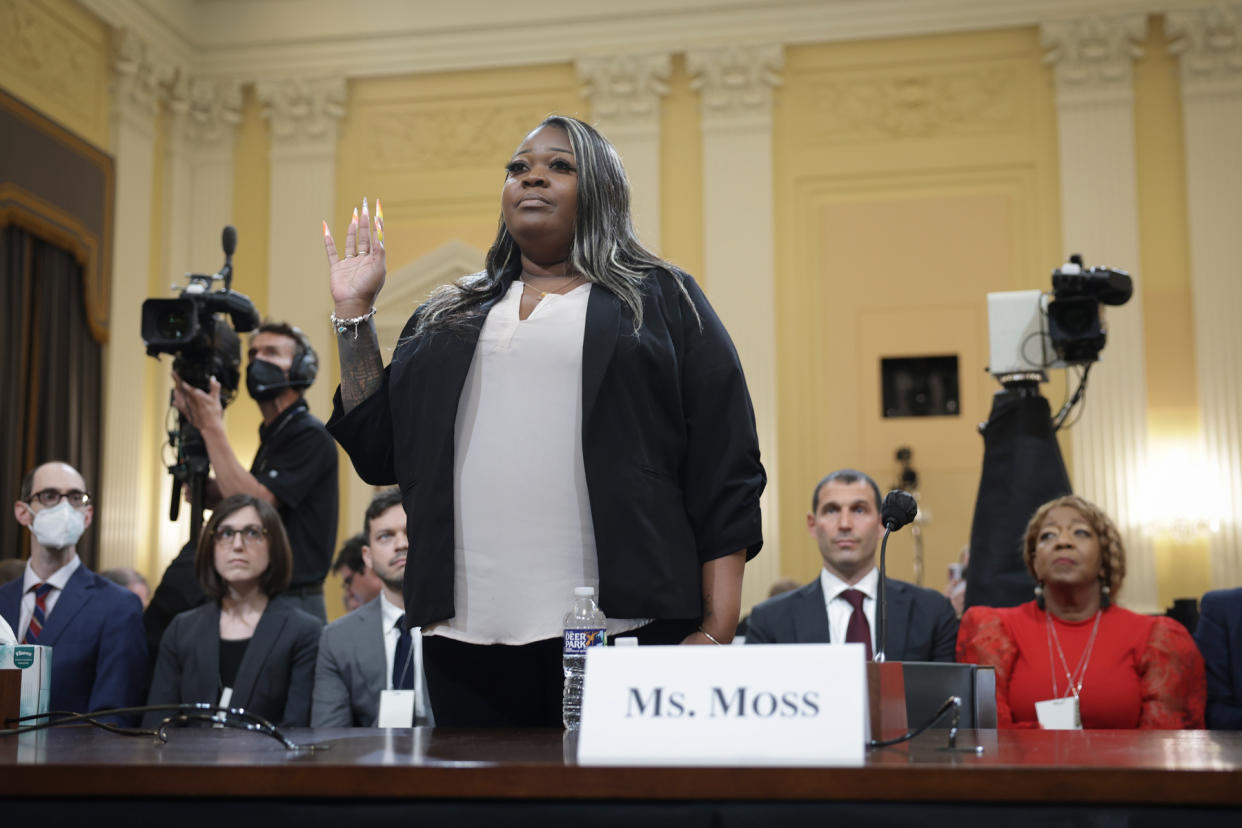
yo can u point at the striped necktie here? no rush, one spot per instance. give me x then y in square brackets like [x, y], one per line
[39, 618]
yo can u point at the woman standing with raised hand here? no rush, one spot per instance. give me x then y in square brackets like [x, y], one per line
[573, 415]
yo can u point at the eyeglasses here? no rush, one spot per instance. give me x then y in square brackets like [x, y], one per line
[251, 535]
[50, 497]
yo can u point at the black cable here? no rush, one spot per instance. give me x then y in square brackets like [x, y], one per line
[233, 717]
[1059, 419]
[952, 703]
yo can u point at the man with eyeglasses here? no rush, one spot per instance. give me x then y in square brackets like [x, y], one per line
[359, 583]
[94, 627]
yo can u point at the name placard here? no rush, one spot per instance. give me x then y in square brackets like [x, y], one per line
[778, 704]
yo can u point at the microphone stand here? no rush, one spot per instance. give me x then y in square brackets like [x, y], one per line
[881, 624]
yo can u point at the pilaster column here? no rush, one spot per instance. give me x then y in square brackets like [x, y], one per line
[303, 115]
[625, 92]
[130, 457]
[1092, 60]
[735, 84]
[1209, 43]
[202, 123]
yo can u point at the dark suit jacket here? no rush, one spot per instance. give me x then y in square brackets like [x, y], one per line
[668, 442]
[351, 670]
[921, 623]
[99, 649]
[276, 673]
[1219, 636]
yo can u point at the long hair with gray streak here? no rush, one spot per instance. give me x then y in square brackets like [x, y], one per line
[605, 249]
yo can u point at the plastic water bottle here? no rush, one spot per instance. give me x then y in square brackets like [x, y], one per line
[584, 627]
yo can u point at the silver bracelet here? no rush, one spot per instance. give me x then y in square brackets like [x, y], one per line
[342, 325]
[710, 637]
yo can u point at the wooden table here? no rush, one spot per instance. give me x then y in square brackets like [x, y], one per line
[461, 777]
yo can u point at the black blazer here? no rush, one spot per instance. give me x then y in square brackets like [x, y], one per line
[668, 442]
[921, 623]
[276, 675]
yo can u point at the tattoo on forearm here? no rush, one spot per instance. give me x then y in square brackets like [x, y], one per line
[707, 606]
[362, 368]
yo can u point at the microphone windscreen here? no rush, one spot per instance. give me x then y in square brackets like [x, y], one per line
[228, 239]
[899, 508]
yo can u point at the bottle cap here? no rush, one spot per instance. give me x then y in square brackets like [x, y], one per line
[584, 592]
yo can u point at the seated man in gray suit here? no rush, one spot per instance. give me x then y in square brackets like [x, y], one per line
[840, 605]
[369, 650]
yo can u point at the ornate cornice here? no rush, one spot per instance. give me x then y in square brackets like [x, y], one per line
[1094, 54]
[626, 87]
[204, 112]
[1209, 43]
[736, 81]
[139, 80]
[303, 113]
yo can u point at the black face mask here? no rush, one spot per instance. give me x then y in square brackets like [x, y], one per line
[265, 380]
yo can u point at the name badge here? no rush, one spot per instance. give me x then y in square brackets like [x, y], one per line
[396, 709]
[1059, 714]
[780, 704]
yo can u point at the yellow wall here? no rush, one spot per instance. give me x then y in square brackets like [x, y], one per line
[913, 176]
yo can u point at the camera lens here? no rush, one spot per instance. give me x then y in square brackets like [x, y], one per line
[172, 324]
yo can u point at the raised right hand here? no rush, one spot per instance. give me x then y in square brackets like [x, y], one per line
[356, 278]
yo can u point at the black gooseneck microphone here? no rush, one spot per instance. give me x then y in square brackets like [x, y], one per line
[228, 240]
[898, 509]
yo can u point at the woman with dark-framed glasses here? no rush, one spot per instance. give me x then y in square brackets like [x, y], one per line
[245, 648]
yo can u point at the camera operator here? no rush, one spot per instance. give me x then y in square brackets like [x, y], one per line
[295, 468]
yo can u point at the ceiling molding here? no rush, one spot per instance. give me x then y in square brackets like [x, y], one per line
[250, 40]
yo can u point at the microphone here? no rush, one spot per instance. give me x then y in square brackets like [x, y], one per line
[228, 240]
[898, 510]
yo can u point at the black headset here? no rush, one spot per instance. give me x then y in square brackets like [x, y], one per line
[305, 363]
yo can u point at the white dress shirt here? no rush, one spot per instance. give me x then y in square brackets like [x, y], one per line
[840, 610]
[524, 536]
[30, 580]
[391, 615]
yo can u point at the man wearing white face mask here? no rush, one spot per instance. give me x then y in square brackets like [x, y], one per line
[94, 627]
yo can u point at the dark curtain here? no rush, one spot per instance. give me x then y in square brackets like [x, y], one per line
[1022, 470]
[50, 375]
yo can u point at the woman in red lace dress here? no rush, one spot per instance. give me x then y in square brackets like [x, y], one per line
[1126, 670]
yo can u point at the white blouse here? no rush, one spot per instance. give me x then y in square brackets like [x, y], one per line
[523, 531]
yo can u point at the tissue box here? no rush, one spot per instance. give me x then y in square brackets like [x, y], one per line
[35, 663]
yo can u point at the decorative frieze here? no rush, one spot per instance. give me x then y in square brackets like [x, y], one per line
[626, 87]
[453, 137]
[735, 81]
[906, 105]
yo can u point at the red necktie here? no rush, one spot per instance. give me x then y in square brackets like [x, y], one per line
[39, 617]
[858, 631]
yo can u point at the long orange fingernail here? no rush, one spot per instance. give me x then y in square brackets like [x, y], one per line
[325, 228]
